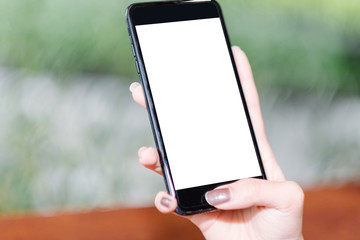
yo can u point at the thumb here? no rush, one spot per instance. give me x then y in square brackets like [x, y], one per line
[246, 193]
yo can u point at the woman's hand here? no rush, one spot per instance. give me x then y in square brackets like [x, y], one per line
[248, 208]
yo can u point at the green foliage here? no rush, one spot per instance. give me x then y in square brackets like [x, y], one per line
[65, 36]
[296, 46]
[299, 46]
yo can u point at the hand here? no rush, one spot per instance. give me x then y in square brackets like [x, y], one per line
[248, 208]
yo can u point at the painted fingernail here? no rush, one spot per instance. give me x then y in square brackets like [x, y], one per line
[140, 150]
[165, 202]
[133, 86]
[218, 196]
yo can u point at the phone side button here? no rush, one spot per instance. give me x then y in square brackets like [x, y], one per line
[132, 48]
[137, 66]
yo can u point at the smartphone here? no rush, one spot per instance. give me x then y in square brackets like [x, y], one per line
[194, 98]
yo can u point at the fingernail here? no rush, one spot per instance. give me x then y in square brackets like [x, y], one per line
[218, 196]
[133, 86]
[165, 202]
[140, 150]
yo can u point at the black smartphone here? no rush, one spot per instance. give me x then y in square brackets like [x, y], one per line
[195, 102]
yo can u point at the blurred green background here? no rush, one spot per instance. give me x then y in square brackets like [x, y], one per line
[69, 131]
[307, 45]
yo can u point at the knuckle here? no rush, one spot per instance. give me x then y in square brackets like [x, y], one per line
[246, 188]
[296, 193]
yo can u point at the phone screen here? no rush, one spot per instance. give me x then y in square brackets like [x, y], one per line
[198, 104]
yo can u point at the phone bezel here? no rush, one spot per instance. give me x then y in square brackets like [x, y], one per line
[190, 201]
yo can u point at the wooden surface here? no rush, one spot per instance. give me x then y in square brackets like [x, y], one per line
[332, 213]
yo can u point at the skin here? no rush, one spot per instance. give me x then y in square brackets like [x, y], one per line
[253, 208]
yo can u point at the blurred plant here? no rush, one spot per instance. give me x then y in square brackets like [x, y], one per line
[65, 36]
[69, 144]
[294, 46]
[66, 140]
[299, 47]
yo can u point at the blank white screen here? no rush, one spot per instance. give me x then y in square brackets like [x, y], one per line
[198, 104]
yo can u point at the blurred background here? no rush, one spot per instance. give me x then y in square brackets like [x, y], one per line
[69, 131]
